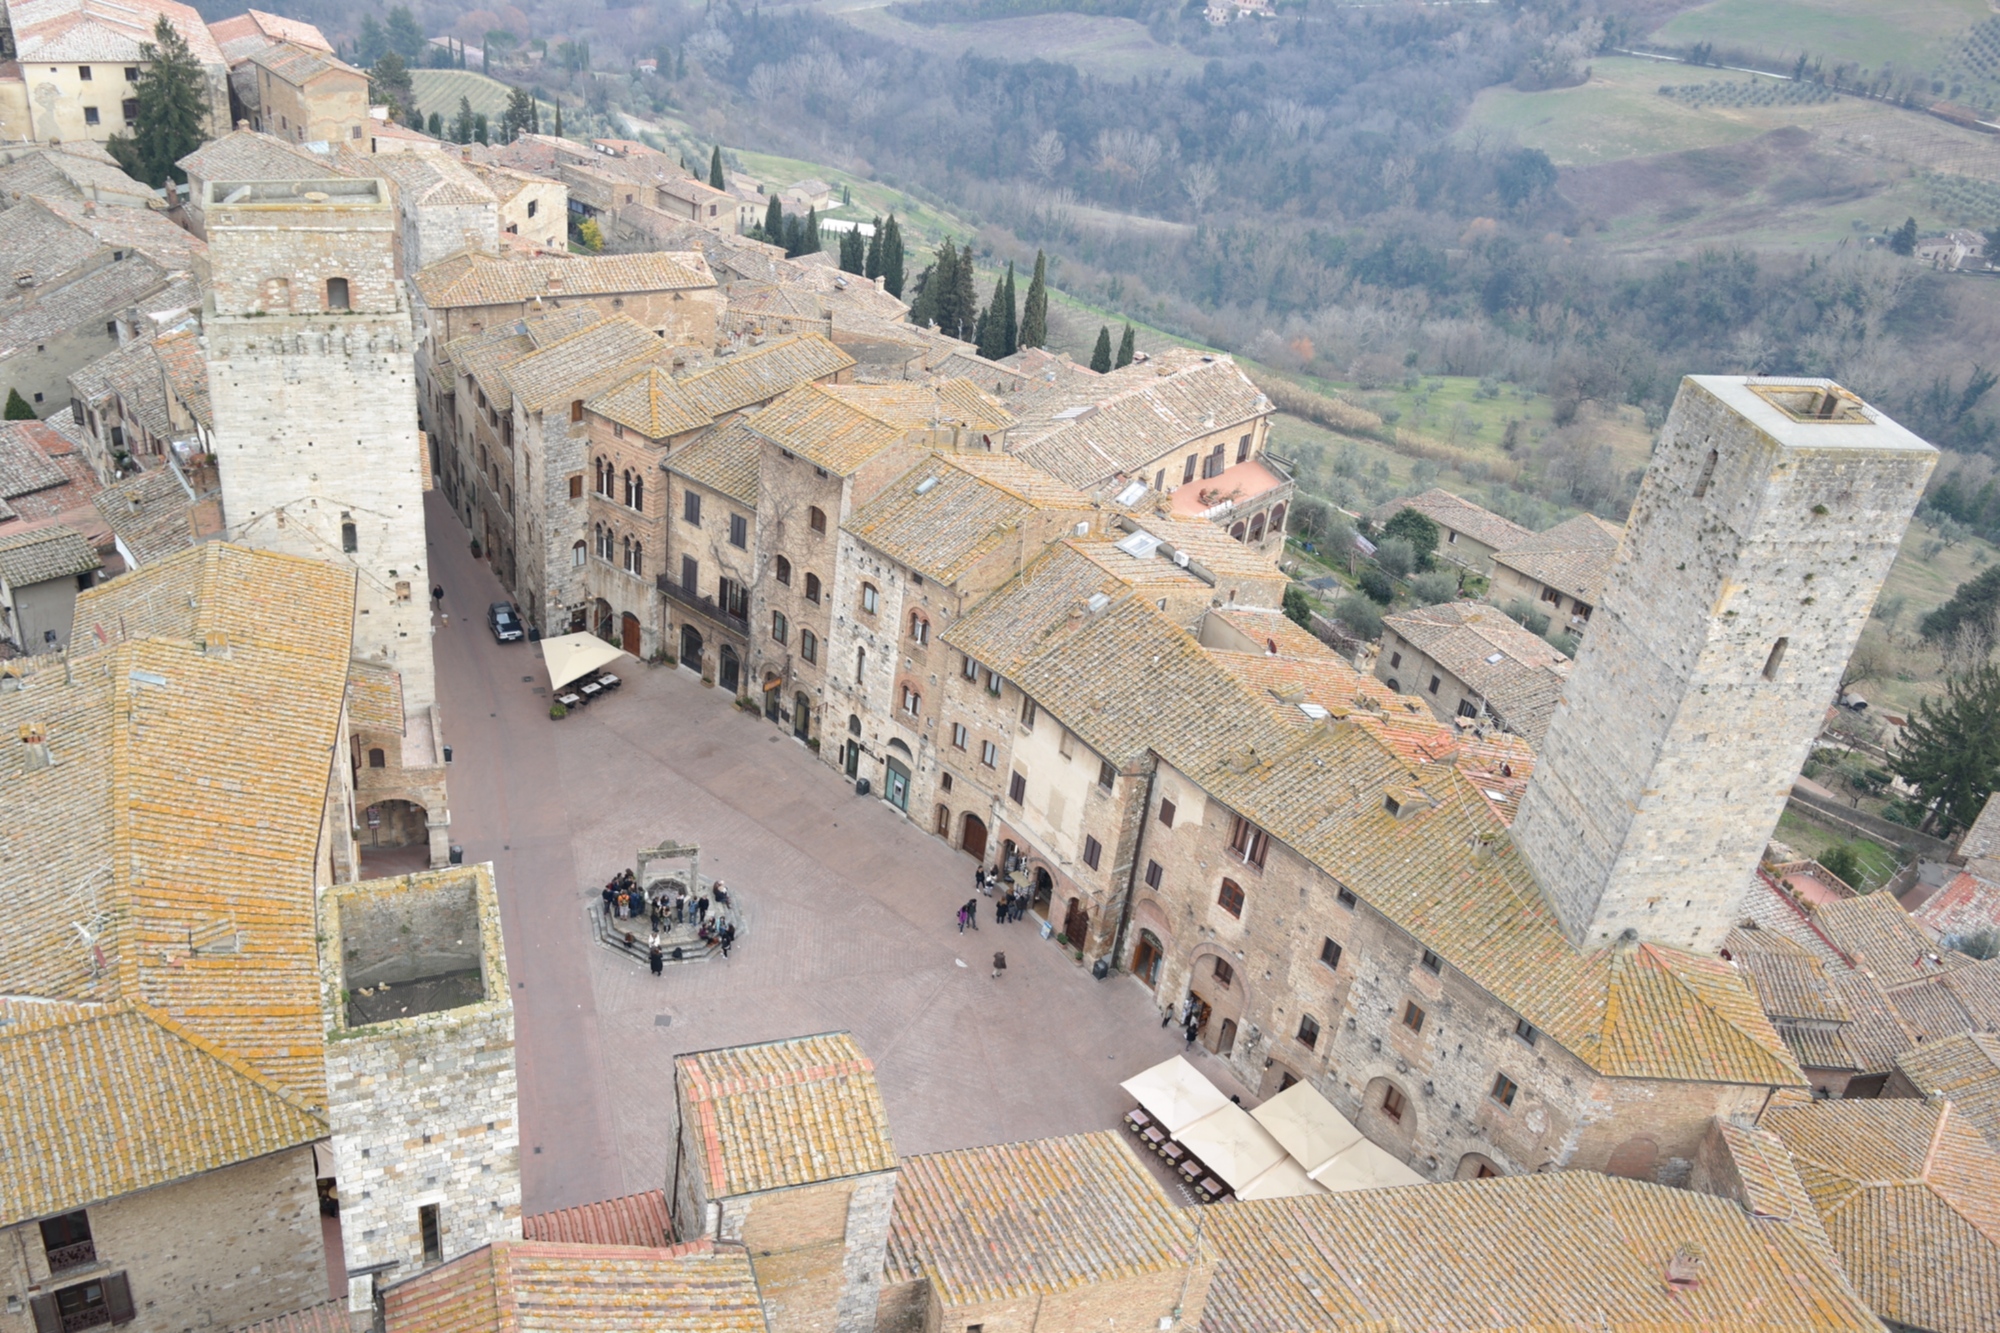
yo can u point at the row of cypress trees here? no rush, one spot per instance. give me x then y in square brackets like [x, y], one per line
[946, 298]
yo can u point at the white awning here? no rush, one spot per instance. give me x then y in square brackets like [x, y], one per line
[1232, 1145]
[1286, 1180]
[1306, 1123]
[1365, 1167]
[569, 656]
[1175, 1094]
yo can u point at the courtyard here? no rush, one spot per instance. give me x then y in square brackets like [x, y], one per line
[847, 913]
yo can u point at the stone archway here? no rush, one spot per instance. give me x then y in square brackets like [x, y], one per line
[1044, 894]
[1477, 1166]
[628, 629]
[1222, 998]
[394, 823]
[1146, 956]
[1638, 1158]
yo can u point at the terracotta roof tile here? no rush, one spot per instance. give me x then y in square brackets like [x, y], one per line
[762, 373]
[1965, 1068]
[1090, 431]
[248, 155]
[1519, 675]
[1905, 1189]
[580, 365]
[650, 402]
[1460, 515]
[326, 1317]
[42, 554]
[784, 1113]
[149, 513]
[725, 459]
[1572, 557]
[1023, 1220]
[636, 1219]
[541, 1287]
[476, 279]
[945, 515]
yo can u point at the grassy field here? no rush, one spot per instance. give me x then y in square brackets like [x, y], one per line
[1878, 863]
[1112, 48]
[1617, 114]
[1908, 33]
[439, 90]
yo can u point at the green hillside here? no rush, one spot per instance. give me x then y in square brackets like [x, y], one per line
[439, 90]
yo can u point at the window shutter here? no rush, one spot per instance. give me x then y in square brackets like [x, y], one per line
[46, 1318]
[118, 1298]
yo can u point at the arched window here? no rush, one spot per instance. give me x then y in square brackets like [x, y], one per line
[853, 725]
[817, 518]
[1277, 518]
[784, 570]
[576, 554]
[350, 536]
[627, 478]
[336, 294]
[639, 493]
[638, 558]
[812, 587]
[920, 629]
[377, 759]
[871, 600]
[628, 553]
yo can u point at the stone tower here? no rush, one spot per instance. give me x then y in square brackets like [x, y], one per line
[312, 383]
[1767, 521]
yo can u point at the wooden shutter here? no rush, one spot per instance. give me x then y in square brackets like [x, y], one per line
[46, 1318]
[118, 1298]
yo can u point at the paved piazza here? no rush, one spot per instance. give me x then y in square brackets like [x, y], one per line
[847, 914]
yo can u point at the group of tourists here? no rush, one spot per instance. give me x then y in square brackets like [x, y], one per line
[669, 905]
[1011, 906]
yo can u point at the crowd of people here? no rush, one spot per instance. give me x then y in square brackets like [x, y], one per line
[1011, 905]
[668, 905]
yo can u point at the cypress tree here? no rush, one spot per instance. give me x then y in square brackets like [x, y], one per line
[715, 168]
[774, 221]
[993, 323]
[924, 303]
[967, 294]
[435, 126]
[982, 329]
[871, 267]
[852, 257]
[1100, 357]
[795, 237]
[892, 258]
[18, 408]
[1126, 348]
[173, 110]
[1010, 317]
[559, 133]
[942, 289]
[1035, 312]
[810, 245]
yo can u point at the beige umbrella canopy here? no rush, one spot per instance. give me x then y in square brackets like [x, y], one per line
[1175, 1094]
[1365, 1167]
[570, 656]
[1284, 1181]
[1232, 1145]
[1307, 1125]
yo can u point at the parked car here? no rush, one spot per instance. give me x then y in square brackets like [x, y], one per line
[506, 622]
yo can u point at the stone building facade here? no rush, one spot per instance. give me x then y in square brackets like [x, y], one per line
[1767, 521]
[421, 1089]
[313, 392]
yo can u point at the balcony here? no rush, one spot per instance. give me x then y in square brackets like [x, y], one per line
[81, 1254]
[707, 606]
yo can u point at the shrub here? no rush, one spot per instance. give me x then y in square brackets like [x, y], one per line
[1376, 584]
[1433, 588]
[1843, 861]
[1418, 530]
[1396, 555]
[557, 712]
[1361, 616]
[1523, 613]
[1298, 607]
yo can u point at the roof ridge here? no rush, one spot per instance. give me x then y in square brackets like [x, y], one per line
[235, 1063]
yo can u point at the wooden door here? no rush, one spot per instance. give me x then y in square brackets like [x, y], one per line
[630, 630]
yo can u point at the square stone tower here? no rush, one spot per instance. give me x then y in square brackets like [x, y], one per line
[313, 386]
[1767, 521]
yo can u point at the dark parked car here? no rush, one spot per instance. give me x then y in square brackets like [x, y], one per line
[506, 622]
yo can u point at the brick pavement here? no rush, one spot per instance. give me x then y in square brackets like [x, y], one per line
[848, 923]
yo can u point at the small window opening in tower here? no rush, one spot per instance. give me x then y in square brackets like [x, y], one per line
[1707, 475]
[336, 294]
[1777, 656]
[350, 538]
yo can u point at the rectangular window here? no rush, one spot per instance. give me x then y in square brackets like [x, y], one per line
[1224, 973]
[1106, 774]
[1308, 1031]
[778, 627]
[1395, 659]
[1027, 713]
[432, 1233]
[1346, 898]
[1093, 850]
[1525, 1030]
[1413, 1017]
[130, 109]
[1431, 962]
[1392, 1103]
[1243, 449]
[959, 735]
[83, 72]
[739, 531]
[993, 683]
[90, 115]
[1017, 788]
[1435, 682]
[989, 754]
[131, 74]
[1154, 874]
[1187, 473]
[808, 645]
[690, 574]
[1248, 841]
[1504, 1089]
[691, 509]
[67, 1241]
[1167, 812]
[1329, 953]
[968, 668]
[576, 487]
[1230, 898]
[92, 1304]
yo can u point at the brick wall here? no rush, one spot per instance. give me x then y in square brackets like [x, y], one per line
[212, 1251]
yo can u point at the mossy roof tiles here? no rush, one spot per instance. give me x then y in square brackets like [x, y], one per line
[544, 1287]
[784, 1113]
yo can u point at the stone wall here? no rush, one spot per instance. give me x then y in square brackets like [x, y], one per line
[213, 1251]
[423, 1107]
[1749, 565]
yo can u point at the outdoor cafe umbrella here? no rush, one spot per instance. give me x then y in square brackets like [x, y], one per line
[1174, 1093]
[1232, 1145]
[570, 656]
[1307, 1125]
[1365, 1167]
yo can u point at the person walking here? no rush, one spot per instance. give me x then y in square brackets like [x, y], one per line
[972, 912]
[999, 965]
[961, 920]
[655, 959]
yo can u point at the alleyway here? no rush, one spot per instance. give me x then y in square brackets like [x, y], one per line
[848, 921]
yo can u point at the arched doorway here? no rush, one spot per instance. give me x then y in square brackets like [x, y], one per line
[943, 821]
[853, 762]
[1257, 528]
[896, 783]
[773, 688]
[1146, 956]
[972, 836]
[1476, 1166]
[1218, 991]
[1076, 923]
[690, 647]
[1236, 530]
[802, 716]
[394, 824]
[1045, 889]
[628, 631]
[603, 621]
[728, 672]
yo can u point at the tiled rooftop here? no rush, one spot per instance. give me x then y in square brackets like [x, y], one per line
[476, 279]
[1519, 675]
[1088, 431]
[1965, 1068]
[945, 515]
[784, 1113]
[1905, 1189]
[635, 1219]
[725, 459]
[150, 514]
[541, 1287]
[1572, 557]
[42, 554]
[1023, 1220]
[1459, 515]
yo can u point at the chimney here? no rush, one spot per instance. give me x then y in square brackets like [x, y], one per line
[242, 124]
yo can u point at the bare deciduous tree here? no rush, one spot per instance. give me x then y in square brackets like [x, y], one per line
[1199, 182]
[1046, 153]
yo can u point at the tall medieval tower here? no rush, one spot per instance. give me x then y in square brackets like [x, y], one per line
[1767, 521]
[312, 383]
